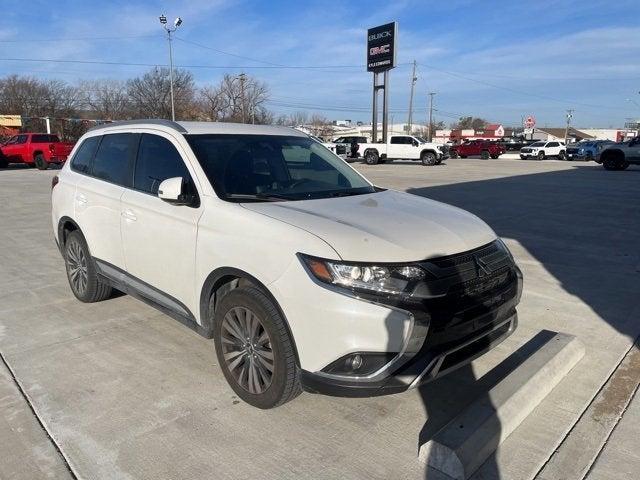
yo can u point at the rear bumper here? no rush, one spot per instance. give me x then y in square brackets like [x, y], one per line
[425, 367]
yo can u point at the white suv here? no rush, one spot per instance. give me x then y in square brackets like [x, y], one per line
[306, 275]
[542, 150]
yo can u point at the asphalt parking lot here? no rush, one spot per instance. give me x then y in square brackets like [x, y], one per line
[123, 391]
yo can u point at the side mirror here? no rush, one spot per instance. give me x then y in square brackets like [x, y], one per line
[170, 190]
[415, 143]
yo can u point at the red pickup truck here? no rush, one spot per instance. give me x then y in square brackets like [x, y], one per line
[35, 149]
[484, 148]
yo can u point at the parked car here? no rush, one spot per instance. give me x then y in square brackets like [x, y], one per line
[335, 148]
[586, 149]
[618, 156]
[343, 146]
[35, 149]
[483, 148]
[542, 150]
[404, 147]
[305, 274]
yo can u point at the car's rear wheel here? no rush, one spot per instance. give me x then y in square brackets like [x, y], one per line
[428, 158]
[40, 162]
[541, 156]
[81, 271]
[371, 157]
[494, 156]
[254, 349]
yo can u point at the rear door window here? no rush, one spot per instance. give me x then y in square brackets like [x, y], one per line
[112, 162]
[44, 139]
[81, 161]
[553, 144]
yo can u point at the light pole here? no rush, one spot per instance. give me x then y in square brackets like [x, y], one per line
[177, 22]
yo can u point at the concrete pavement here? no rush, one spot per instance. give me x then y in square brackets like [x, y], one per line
[127, 392]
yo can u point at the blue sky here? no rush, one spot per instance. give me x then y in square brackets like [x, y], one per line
[497, 60]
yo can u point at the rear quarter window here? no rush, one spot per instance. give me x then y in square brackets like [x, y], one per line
[81, 161]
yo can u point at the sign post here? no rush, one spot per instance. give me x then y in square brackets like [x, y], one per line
[381, 57]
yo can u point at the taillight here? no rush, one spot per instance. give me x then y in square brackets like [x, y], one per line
[54, 181]
[52, 147]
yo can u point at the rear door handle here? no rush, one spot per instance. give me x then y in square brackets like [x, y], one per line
[81, 199]
[129, 215]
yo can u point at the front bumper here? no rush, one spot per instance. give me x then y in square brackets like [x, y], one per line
[463, 313]
[425, 367]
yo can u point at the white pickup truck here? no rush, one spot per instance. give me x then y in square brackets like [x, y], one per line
[404, 147]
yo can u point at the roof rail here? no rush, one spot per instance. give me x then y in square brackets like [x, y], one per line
[154, 121]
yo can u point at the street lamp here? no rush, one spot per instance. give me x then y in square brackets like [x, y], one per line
[177, 22]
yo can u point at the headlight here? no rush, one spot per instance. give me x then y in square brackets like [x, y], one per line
[388, 279]
[581, 151]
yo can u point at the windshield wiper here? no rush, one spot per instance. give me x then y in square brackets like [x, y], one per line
[258, 196]
[347, 193]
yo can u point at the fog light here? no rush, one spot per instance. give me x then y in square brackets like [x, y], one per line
[356, 362]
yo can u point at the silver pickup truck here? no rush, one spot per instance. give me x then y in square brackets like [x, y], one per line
[619, 156]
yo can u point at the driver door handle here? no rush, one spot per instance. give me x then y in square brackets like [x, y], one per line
[81, 199]
[129, 215]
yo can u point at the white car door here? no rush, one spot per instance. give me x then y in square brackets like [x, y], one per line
[400, 146]
[159, 238]
[552, 148]
[99, 189]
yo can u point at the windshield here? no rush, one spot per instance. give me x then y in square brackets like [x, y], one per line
[537, 144]
[270, 167]
[421, 139]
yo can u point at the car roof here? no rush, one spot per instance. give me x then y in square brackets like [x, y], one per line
[199, 128]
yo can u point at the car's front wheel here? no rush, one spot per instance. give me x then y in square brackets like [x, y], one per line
[254, 348]
[81, 271]
[541, 156]
[428, 158]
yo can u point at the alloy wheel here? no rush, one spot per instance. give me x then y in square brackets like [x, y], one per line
[77, 267]
[247, 350]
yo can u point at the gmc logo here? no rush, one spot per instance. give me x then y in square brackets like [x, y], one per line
[378, 50]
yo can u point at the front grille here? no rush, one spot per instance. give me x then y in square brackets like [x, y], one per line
[572, 150]
[525, 150]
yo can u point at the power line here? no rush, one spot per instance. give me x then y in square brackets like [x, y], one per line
[75, 39]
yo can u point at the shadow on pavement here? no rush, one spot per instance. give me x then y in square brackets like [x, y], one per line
[583, 226]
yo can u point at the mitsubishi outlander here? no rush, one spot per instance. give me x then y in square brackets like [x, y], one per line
[305, 274]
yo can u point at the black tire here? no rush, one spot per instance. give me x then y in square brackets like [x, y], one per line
[562, 156]
[494, 156]
[428, 158]
[285, 379]
[522, 157]
[453, 154]
[77, 258]
[463, 156]
[3, 162]
[438, 162]
[40, 162]
[484, 155]
[588, 157]
[371, 157]
[541, 156]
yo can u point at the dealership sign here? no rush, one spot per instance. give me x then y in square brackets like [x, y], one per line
[381, 47]
[530, 122]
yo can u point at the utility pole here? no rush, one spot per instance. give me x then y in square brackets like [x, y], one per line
[242, 79]
[566, 132]
[431, 94]
[413, 84]
[176, 24]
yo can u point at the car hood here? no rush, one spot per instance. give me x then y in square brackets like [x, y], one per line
[387, 226]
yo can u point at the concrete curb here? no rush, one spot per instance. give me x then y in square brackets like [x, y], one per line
[470, 438]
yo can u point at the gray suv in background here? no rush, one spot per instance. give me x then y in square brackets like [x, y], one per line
[619, 156]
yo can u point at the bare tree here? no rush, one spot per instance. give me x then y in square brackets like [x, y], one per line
[298, 118]
[150, 94]
[213, 103]
[107, 99]
[21, 95]
[321, 126]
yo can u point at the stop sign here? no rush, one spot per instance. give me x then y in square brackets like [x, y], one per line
[530, 122]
